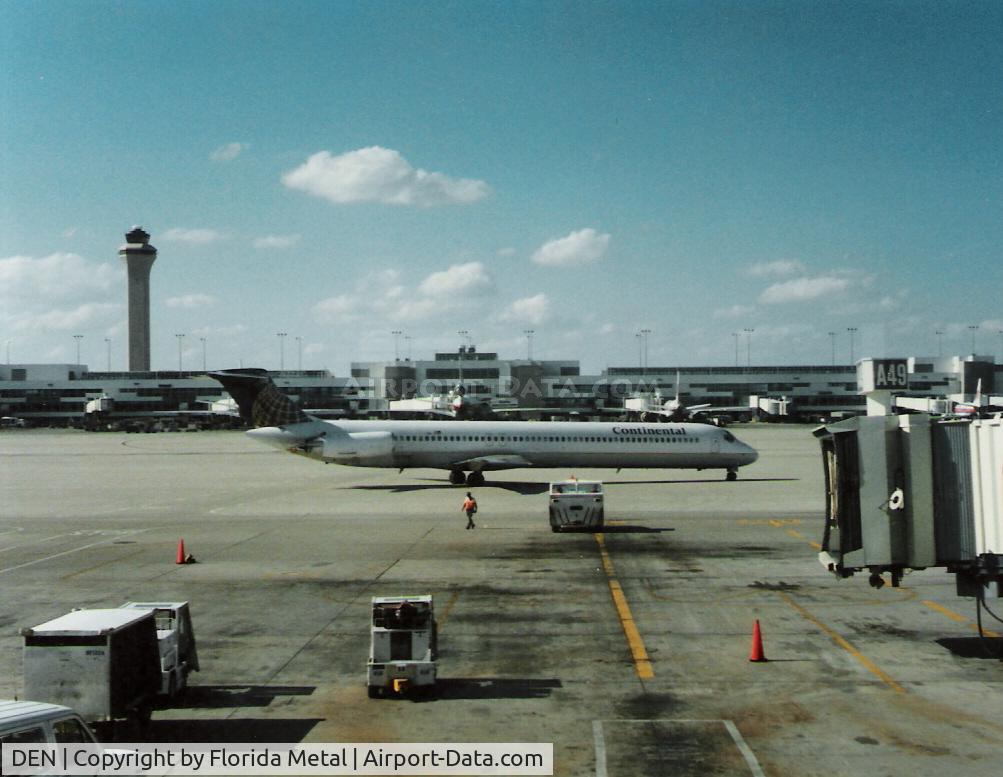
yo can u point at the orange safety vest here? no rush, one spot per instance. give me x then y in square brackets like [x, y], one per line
[469, 504]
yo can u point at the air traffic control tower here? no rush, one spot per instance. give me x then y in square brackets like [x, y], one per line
[139, 256]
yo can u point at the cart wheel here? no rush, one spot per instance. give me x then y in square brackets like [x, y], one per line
[374, 691]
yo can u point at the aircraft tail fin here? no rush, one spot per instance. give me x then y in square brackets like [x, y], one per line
[260, 401]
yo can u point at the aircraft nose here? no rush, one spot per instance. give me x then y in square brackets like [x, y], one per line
[750, 455]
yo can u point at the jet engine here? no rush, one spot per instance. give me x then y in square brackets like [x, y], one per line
[365, 449]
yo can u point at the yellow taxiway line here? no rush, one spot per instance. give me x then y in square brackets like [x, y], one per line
[842, 642]
[958, 618]
[642, 664]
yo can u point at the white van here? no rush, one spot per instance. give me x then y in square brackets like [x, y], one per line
[32, 722]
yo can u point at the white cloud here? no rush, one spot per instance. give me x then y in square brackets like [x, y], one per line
[776, 269]
[276, 241]
[57, 292]
[382, 294]
[585, 246]
[190, 301]
[804, 289]
[228, 152]
[418, 309]
[79, 317]
[469, 278]
[56, 277]
[228, 331]
[378, 174]
[607, 329]
[528, 310]
[339, 308]
[195, 236]
[735, 311]
[506, 251]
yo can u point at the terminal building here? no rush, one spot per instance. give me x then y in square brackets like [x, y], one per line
[72, 395]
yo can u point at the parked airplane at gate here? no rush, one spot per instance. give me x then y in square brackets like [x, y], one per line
[476, 447]
[655, 407]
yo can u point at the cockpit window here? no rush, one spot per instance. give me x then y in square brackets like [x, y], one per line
[729, 437]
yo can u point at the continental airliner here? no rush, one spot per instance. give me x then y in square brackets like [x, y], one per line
[468, 449]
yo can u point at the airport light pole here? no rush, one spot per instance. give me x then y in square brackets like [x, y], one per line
[529, 343]
[202, 340]
[735, 335]
[832, 344]
[748, 346]
[282, 349]
[181, 340]
[852, 330]
[408, 339]
[78, 338]
[940, 342]
[397, 334]
[644, 342]
[973, 328]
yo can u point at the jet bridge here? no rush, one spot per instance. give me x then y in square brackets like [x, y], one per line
[914, 491]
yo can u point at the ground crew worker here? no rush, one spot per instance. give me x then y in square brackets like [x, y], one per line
[470, 507]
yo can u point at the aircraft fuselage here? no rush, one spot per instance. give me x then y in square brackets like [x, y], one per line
[491, 445]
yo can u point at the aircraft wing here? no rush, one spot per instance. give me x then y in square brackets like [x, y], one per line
[496, 461]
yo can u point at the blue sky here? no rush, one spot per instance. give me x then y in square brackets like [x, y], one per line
[342, 170]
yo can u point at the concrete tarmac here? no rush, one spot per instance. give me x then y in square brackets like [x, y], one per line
[627, 649]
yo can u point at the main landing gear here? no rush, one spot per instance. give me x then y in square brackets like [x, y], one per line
[732, 474]
[458, 478]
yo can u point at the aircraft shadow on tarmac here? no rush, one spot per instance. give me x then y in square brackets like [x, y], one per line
[705, 481]
[222, 696]
[974, 647]
[453, 688]
[630, 528]
[231, 730]
[526, 489]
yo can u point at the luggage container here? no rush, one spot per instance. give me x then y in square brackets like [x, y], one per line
[403, 645]
[176, 639]
[105, 664]
[576, 504]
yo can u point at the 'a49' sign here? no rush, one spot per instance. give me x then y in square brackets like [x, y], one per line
[890, 374]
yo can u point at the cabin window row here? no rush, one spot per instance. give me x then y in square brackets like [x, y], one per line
[531, 438]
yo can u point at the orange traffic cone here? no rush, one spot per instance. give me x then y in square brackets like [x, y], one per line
[180, 559]
[756, 653]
